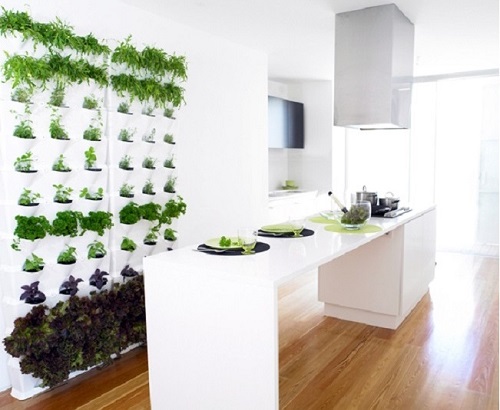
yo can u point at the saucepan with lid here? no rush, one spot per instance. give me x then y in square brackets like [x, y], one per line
[389, 201]
[365, 195]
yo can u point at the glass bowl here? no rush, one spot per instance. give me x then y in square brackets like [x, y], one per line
[357, 216]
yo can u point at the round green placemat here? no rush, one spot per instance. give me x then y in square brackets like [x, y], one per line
[322, 220]
[336, 227]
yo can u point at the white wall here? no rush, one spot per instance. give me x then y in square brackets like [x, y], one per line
[221, 152]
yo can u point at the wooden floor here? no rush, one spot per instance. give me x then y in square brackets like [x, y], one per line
[444, 356]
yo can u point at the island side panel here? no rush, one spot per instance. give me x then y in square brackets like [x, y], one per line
[212, 341]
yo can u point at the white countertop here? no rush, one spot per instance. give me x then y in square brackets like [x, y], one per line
[287, 258]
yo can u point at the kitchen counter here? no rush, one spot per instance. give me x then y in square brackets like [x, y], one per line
[212, 321]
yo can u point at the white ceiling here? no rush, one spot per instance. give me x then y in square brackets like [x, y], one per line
[450, 35]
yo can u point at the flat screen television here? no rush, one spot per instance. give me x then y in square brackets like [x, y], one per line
[285, 123]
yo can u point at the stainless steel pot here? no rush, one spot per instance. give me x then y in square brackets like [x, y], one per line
[389, 201]
[364, 195]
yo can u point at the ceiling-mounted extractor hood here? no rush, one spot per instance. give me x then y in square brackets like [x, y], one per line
[373, 68]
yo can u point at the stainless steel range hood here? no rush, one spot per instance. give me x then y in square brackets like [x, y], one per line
[373, 68]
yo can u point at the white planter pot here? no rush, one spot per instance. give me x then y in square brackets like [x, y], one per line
[24, 386]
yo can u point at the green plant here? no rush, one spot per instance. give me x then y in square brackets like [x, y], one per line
[24, 129]
[169, 139]
[128, 245]
[92, 133]
[21, 94]
[150, 137]
[130, 214]
[151, 237]
[127, 191]
[67, 256]
[149, 162]
[90, 158]
[170, 184]
[79, 333]
[169, 113]
[24, 163]
[60, 165]
[56, 128]
[148, 188]
[96, 250]
[172, 210]
[123, 107]
[170, 234]
[125, 163]
[32, 295]
[97, 221]
[150, 211]
[33, 264]
[90, 102]
[126, 134]
[92, 195]
[66, 223]
[169, 162]
[148, 109]
[32, 227]
[28, 197]
[63, 194]
[70, 286]
[57, 96]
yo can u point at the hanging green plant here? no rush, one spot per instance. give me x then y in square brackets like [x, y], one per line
[67, 256]
[128, 245]
[130, 214]
[24, 129]
[66, 223]
[169, 186]
[92, 194]
[150, 211]
[148, 188]
[56, 128]
[127, 191]
[63, 194]
[60, 164]
[32, 227]
[98, 221]
[173, 209]
[28, 197]
[96, 250]
[33, 264]
[57, 96]
[21, 94]
[24, 163]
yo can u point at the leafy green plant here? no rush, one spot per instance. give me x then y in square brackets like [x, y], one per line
[66, 223]
[123, 107]
[79, 333]
[125, 163]
[151, 237]
[169, 162]
[32, 227]
[126, 134]
[92, 195]
[148, 109]
[21, 94]
[128, 245]
[127, 191]
[150, 137]
[67, 256]
[96, 249]
[24, 163]
[60, 164]
[170, 184]
[90, 102]
[90, 159]
[150, 211]
[56, 128]
[169, 113]
[92, 133]
[57, 96]
[149, 163]
[24, 129]
[148, 188]
[98, 280]
[97, 221]
[33, 264]
[63, 194]
[70, 286]
[130, 214]
[173, 209]
[28, 197]
[170, 234]
[169, 139]
[32, 295]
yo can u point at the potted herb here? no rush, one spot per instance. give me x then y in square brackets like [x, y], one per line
[60, 165]
[172, 209]
[28, 198]
[150, 212]
[170, 185]
[92, 195]
[70, 286]
[33, 264]
[170, 235]
[57, 96]
[169, 139]
[97, 221]
[92, 133]
[63, 194]
[169, 162]
[91, 159]
[125, 163]
[126, 134]
[24, 129]
[130, 214]
[151, 237]
[97, 279]
[148, 110]
[56, 128]
[90, 102]
[24, 163]
[148, 188]
[96, 250]
[124, 108]
[32, 227]
[67, 256]
[127, 191]
[21, 94]
[128, 272]
[150, 138]
[32, 295]
[149, 163]
[66, 223]
[169, 113]
[128, 245]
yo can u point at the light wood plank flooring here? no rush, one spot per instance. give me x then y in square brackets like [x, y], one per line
[444, 356]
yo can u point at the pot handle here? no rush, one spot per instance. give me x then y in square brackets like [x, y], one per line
[389, 194]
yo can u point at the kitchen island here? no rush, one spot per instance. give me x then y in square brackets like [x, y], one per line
[212, 320]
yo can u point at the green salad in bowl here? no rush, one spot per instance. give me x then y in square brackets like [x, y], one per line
[357, 216]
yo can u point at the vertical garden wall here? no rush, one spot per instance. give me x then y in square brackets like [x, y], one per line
[88, 177]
